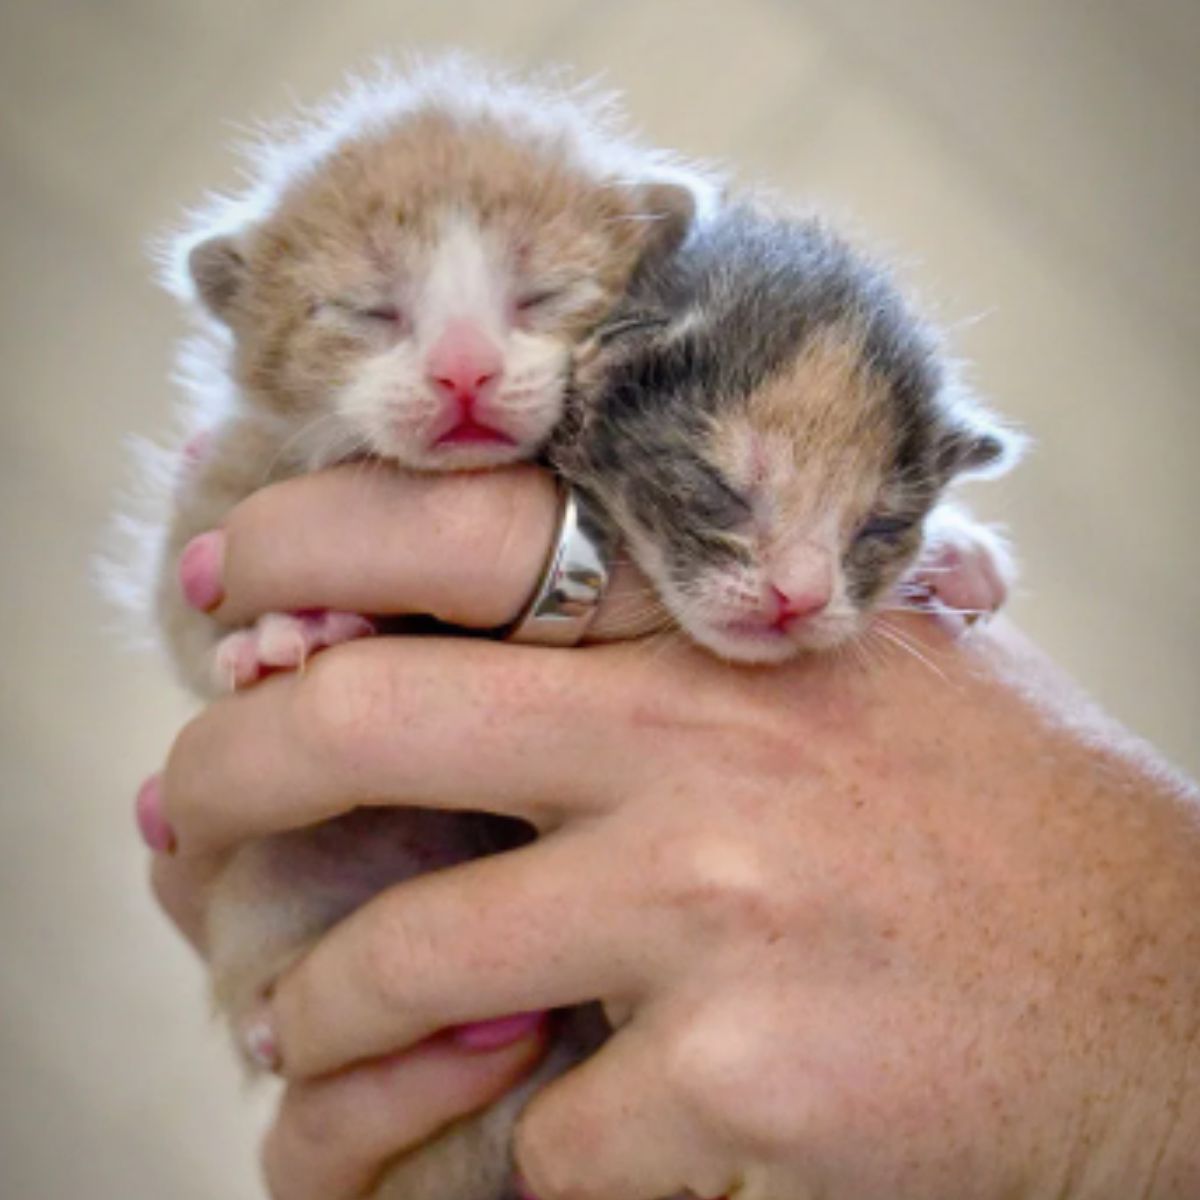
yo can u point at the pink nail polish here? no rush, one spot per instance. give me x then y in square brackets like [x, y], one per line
[503, 1031]
[152, 825]
[200, 570]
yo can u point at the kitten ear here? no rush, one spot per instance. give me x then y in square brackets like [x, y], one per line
[669, 210]
[219, 272]
[974, 443]
[595, 351]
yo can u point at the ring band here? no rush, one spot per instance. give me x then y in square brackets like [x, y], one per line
[572, 582]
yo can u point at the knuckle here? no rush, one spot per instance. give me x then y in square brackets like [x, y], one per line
[688, 1054]
[737, 1081]
[714, 1066]
[549, 1149]
[723, 883]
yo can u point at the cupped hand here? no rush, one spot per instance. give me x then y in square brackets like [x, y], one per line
[368, 538]
[917, 926]
[333, 1136]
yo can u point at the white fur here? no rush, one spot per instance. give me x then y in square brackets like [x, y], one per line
[464, 280]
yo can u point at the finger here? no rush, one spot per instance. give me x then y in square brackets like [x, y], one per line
[437, 723]
[332, 1136]
[508, 933]
[464, 548]
[181, 887]
[467, 549]
[612, 1129]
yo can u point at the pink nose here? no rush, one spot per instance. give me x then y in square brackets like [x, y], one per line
[799, 606]
[465, 364]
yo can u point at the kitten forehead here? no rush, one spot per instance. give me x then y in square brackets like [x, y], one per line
[446, 217]
[463, 279]
[579, 128]
[817, 434]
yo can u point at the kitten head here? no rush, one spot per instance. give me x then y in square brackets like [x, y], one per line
[414, 291]
[770, 451]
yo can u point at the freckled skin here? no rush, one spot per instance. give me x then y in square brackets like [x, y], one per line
[1019, 1011]
[880, 934]
[965, 943]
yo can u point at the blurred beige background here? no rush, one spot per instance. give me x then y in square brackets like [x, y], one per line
[1034, 165]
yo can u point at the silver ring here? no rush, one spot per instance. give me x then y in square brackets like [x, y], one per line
[573, 580]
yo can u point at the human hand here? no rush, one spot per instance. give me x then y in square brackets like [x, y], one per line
[374, 534]
[366, 537]
[876, 932]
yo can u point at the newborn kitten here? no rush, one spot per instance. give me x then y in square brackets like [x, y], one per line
[771, 430]
[405, 279]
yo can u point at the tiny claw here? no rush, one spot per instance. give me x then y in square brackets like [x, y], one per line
[258, 1041]
[284, 641]
[919, 593]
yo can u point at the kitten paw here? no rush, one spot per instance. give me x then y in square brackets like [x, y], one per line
[283, 642]
[967, 570]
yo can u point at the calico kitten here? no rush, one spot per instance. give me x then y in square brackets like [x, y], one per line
[771, 430]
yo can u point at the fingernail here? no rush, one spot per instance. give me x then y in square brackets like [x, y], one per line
[151, 823]
[259, 1041]
[503, 1031]
[200, 570]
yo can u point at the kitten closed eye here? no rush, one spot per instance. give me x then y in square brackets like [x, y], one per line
[536, 299]
[360, 311]
[382, 312]
[884, 528]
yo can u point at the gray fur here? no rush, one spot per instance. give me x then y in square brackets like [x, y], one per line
[699, 333]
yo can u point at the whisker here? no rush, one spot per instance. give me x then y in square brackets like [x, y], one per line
[287, 444]
[896, 638]
[928, 608]
[857, 650]
[658, 644]
[874, 646]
